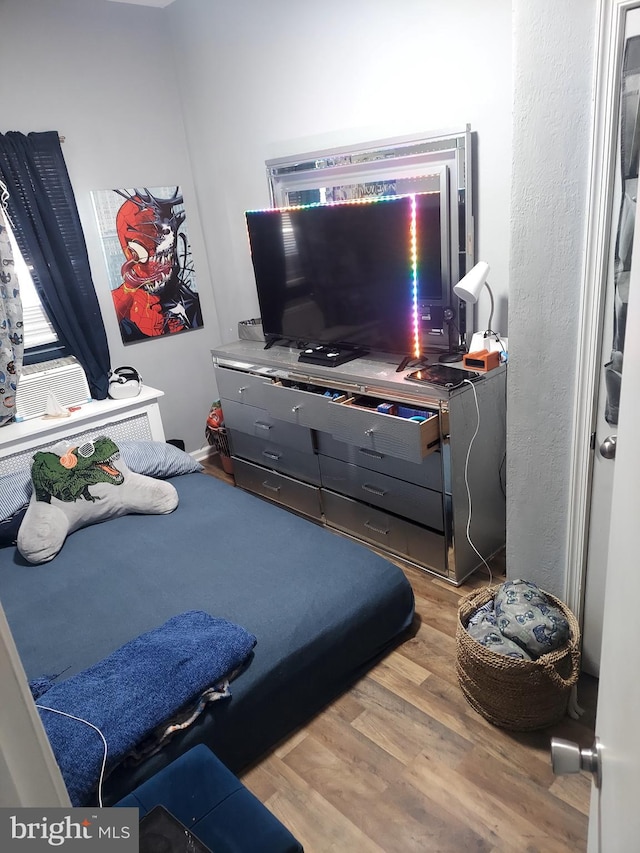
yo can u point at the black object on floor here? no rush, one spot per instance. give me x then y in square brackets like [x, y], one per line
[161, 832]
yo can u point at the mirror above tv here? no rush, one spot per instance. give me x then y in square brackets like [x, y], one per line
[438, 163]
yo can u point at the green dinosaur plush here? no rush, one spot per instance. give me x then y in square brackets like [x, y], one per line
[75, 485]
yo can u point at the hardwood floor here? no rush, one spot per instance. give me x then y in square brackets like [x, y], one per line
[402, 763]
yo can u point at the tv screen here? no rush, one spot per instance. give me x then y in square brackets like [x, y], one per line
[345, 273]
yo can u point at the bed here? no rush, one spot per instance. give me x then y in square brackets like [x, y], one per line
[322, 608]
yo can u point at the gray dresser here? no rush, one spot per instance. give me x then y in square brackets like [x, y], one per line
[312, 438]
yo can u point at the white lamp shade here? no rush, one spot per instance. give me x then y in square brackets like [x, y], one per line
[469, 287]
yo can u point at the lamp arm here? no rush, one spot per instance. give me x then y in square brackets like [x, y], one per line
[489, 326]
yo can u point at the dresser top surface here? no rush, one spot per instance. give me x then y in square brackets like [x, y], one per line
[368, 374]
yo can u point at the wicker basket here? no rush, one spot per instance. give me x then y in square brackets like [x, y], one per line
[519, 695]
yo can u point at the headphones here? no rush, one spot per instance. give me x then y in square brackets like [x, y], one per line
[124, 382]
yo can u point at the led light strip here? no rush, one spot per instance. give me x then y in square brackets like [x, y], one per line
[413, 249]
[363, 200]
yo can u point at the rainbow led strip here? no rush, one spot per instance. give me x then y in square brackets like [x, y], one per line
[413, 247]
[413, 244]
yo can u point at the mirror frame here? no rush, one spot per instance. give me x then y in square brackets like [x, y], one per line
[375, 168]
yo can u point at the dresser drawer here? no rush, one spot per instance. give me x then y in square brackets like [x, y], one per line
[240, 387]
[300, 497]
[386, 434]
[287, 460]
[297, 406]
[427, 473]
[378, 527]
[261, 424]
[388, 493]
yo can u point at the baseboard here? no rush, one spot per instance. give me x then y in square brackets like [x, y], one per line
[202, 452]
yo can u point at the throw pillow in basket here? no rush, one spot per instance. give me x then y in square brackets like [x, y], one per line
[516, 693]
[519, 621]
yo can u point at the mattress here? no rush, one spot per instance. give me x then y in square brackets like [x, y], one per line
[322, 607]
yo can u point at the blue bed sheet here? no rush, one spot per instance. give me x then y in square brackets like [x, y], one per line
[322, 607]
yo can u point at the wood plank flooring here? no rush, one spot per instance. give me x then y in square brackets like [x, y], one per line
[402, 763]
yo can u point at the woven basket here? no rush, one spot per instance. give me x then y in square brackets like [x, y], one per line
[519, 695]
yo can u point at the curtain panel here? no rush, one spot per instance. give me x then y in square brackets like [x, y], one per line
[11, 337]
[47, 228]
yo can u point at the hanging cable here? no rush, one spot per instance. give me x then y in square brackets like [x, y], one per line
[466, 480]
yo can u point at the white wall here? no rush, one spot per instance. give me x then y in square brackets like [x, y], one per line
[268, 79]
[553, 77]
[101, 74]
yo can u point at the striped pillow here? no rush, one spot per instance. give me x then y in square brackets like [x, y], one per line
[15, 492]
[157, 459]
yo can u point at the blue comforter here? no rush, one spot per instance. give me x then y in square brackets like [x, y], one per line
[136, 688]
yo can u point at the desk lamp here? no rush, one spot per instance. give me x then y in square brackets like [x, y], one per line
[468, 289]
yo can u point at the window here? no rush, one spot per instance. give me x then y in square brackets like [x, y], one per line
[40, 338]
[47, 228]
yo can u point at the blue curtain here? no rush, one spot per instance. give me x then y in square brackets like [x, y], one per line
[47, 228]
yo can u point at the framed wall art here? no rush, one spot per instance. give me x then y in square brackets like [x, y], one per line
[149, 263]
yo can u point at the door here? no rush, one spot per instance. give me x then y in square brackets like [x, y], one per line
[616, 259]
[614, 820]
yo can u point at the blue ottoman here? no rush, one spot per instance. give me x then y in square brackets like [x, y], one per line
[214, 805]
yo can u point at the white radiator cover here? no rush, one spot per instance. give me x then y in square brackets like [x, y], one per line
[64, 377]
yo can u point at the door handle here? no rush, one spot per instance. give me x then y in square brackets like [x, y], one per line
[608, 447]
[567, 757]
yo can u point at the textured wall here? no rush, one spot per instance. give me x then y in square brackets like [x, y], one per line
[553, 69]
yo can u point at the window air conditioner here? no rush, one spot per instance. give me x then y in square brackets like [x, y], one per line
[64, 377]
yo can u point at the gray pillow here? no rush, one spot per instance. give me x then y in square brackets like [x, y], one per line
[485, 631]
[152, 458]
[157, 459]
[78, 485]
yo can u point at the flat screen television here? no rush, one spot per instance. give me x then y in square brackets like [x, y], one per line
[347, 275]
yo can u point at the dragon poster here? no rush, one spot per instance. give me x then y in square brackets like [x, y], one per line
[149, 262]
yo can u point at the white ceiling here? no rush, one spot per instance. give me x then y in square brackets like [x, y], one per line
[159, 3]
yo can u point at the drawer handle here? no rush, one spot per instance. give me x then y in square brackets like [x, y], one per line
[369, 431]
[262, 425]
[296, 409]
[376, 529]
[368, 452]
[374, 490]
[271, 488]
[242, 389]
[270, 454]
